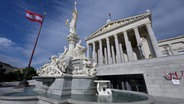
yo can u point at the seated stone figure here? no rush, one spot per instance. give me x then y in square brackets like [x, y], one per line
[50, 69]
[89, 67]
[62, 56]
[79, 51]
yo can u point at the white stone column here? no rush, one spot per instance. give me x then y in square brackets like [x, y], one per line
[153, 40]
[100, 53]
[105, 51]
[108, 51]
[128, 47]
[98, 56]
[121, 53]
[113, 55]
[118, 59]
[88, 50]
[94, 53]
[171, 49]
[139, 43]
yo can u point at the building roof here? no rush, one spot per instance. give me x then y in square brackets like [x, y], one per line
[119, 23]
[169, 39]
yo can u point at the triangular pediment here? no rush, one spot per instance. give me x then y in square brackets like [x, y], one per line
[114, 24]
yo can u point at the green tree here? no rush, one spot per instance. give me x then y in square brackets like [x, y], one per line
[2, 73]
[10, 77]
[18, 75]
[29, 73]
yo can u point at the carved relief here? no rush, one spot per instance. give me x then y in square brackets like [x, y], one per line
[119, 22]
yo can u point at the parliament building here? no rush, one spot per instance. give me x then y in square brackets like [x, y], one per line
[129, 55]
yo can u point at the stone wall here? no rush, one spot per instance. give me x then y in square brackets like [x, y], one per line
[172, 46]
[153, 72]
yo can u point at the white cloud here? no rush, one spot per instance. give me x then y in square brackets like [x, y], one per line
[4, 42]
[11, 53]
[166, 15]
[14, 61]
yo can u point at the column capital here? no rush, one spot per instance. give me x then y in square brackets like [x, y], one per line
[93, 43]
[100, 41]
[135, 28]
[124, 32]
[88, 43]
[115, 36]
[169, 44]
[107, 38]
[148, 24]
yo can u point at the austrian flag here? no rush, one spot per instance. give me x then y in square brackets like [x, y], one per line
[34, 16]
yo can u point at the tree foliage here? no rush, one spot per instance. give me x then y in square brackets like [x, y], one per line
[2, 73]
[16, 75]
[29, 73]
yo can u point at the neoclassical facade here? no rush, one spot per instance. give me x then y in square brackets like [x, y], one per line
[129, 55]
[124, 40]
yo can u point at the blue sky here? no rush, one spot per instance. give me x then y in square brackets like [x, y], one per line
[18, 34]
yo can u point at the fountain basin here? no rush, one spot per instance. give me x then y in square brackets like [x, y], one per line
[29, 96]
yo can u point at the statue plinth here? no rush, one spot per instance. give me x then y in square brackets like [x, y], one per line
[73, 38]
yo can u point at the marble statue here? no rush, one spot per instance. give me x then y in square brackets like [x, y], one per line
[89, 67]
[73, 22]
[51, 68]
[61, 56]
[69, 61]
[60, 65]
[79, 51]
[73, 38]
[62, 76]
[103, 88]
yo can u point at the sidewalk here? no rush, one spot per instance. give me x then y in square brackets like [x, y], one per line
[165, 100]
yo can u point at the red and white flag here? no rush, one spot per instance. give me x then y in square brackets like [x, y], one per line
[34, 16]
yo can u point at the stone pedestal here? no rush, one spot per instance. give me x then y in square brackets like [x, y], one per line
[66, 85]
[72, 40]
[61, 86]
[83, 85]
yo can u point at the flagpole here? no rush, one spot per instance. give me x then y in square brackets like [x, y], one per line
[30, 60]
[36, 42]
